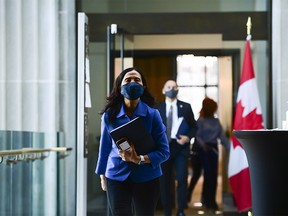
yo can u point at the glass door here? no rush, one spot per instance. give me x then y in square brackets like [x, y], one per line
[120, 43]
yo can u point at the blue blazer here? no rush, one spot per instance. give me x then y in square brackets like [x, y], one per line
[109, 162]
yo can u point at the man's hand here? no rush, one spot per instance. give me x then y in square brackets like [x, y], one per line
[183, 139]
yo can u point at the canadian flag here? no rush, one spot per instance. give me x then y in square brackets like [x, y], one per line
[248, 116]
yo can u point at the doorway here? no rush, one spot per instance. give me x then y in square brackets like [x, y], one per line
[159, 65]
[195, 82]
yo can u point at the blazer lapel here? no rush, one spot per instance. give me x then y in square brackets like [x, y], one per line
[180, 109]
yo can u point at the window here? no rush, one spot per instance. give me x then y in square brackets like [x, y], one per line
[197, 77]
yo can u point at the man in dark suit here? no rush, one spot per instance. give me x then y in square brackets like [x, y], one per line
[176, 167]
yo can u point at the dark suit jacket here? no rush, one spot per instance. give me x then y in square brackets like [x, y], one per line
[185, 111]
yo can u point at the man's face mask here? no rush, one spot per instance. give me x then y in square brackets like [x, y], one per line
[132, 90]
[171, 93]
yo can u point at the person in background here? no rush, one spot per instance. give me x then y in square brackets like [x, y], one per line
[196, 169]
[129, 178]
[208, 135]
[179, 148]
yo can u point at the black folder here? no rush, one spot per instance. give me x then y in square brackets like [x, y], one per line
[136, 132]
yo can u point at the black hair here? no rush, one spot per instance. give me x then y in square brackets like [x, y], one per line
[115, 100]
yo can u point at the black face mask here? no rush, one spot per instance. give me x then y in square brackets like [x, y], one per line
[171, 93]
[132, 90]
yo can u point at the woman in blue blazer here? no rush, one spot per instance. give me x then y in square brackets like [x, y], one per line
[130, 178]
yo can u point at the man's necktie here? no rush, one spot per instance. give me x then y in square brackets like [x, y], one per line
[169, 123]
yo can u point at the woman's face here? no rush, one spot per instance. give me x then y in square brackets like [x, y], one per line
[132, 76]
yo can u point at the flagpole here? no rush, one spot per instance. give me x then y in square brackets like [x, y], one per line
[248, 116]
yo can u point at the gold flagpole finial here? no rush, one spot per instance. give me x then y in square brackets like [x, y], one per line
[249, 25]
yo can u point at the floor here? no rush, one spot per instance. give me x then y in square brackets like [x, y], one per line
[97, 207]
[224, 201]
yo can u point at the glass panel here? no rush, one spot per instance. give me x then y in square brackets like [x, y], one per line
[22, 189]
[5, 185]
[127, 62]
[123, 42]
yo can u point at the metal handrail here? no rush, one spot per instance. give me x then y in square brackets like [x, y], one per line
[25, 153]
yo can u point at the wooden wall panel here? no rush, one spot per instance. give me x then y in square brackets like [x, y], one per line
[157, 71]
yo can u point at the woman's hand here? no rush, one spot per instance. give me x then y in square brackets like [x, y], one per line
[129, 155]
[103, 182]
